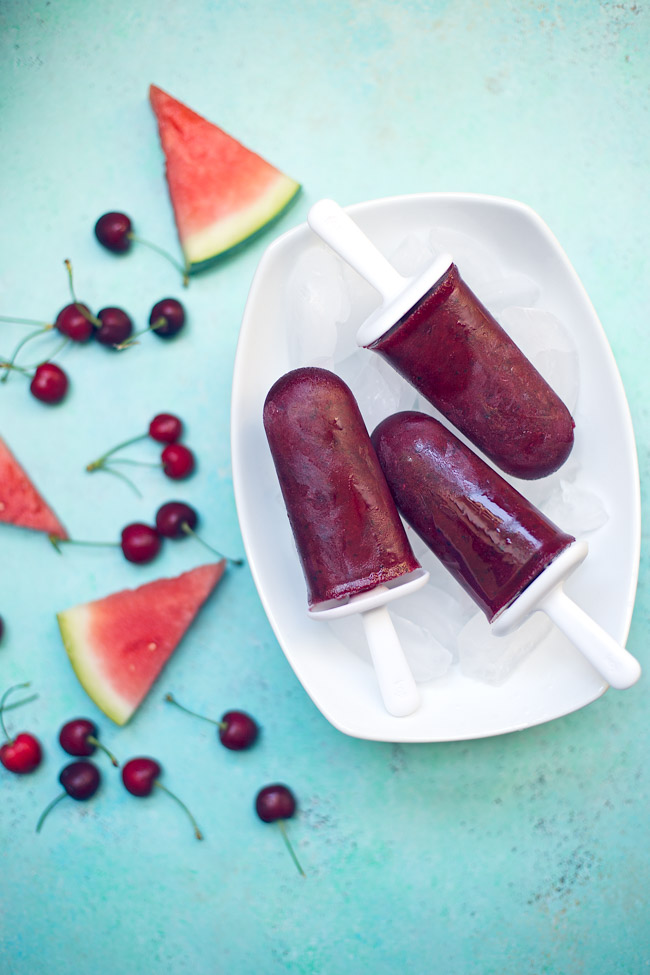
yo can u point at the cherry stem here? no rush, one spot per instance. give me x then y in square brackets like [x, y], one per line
[151, 328]
[10, 365]
[136, 463]
[80, 308]
[197, 831]
[60, 347]
[172, 700]
[190, 531]
[179, 267]
[97, 743]
[289, 847]
[18, 704]
[48, 810]
[125, 443]
[28, 338]
[56, 541]
[26, 321]
[127, 480]
[10, 690]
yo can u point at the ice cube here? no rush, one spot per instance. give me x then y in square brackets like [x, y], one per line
[317, 299]
[412, 256]
[550, 347]
[492, 659]
[427, 658]
[476, 263]
[576, 509]
[512, 289]
[376, 387]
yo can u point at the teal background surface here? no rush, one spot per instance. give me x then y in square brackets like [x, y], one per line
[523, 854]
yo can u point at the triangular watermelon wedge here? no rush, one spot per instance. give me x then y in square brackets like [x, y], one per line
[20, 502]
[222, 193]
[119, 644]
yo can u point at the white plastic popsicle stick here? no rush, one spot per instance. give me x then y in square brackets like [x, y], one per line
[332, 224]
[396, 684]
[612, 661]
[399, 294]
[398, 689]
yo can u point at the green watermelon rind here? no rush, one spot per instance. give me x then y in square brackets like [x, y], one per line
[72, 626]
[226, 236]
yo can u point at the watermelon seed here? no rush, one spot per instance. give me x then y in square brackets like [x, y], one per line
[140, 775]
[114, 231]
[80, 781]
[176, 519]
[237, 730]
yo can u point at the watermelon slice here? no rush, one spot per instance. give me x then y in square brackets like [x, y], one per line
[20, 503]
[118, 645]
[222, 193]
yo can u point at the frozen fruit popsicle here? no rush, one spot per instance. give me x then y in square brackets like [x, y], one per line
[348, 533]
[504, 552]
[436, 333]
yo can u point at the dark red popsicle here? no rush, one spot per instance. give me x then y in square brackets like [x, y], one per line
[347, 530]
[486, 533]
[457, 355]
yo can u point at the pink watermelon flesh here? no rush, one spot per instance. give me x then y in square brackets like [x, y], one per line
[20, 502]
[221, 192]
[118, 645]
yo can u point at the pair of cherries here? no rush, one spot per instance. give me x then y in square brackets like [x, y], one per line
[177, 460]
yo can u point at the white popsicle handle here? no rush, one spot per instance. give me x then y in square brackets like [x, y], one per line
[619, 668]
[345, 237]
[398, 689]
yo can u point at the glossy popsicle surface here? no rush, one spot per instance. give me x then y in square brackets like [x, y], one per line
[347, 530]
[486, 533]
[456, 354]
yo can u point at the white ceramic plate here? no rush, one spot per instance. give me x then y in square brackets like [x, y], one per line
[554, 680]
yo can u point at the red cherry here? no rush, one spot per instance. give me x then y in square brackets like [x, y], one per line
[274, 804]
[174, 518]
[167, 318]
[178, 461]
[79, 737]
[72, 321]
[80, 781]
[113, 230]
[116, 326]
[140, 543]
[165, 428]
[49, 383]
[140, 775]
[236, 730]
[22, 754]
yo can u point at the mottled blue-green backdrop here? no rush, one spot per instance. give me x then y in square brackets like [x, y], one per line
[522, 854]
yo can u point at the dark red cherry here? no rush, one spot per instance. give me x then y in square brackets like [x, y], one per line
[237, 731]
[21, 754]
[178, 461]
[72, 322]
[140, 543]
[113, 230]
[173, 516]
[165, 428]
[116, 326]
[167, 317]
[80, 737]
[140, 775]
[49, 383]
[80, 781]
[275, 802]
